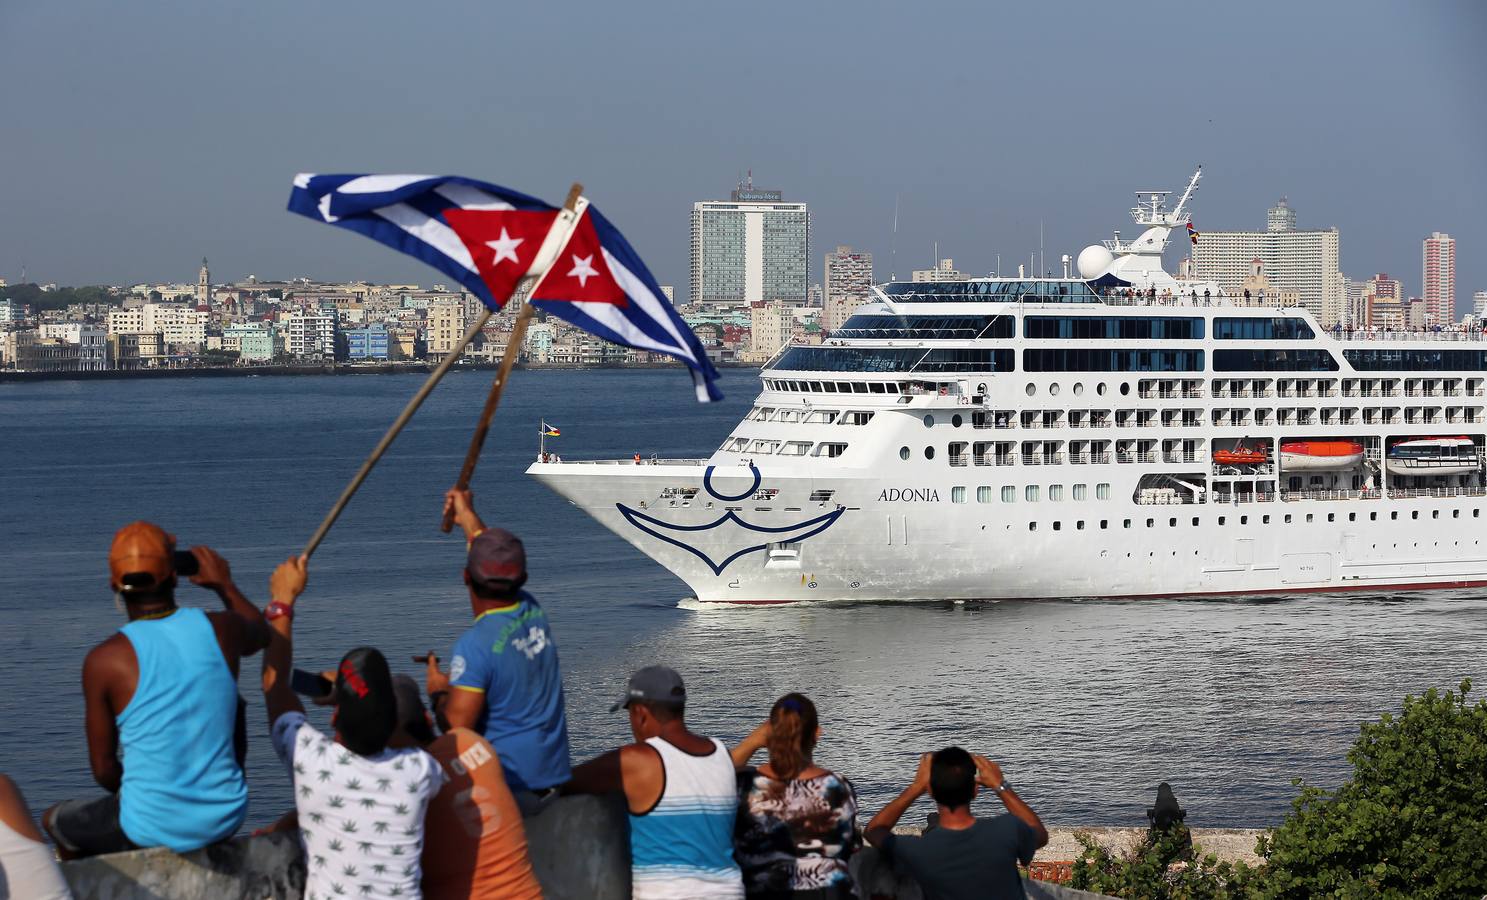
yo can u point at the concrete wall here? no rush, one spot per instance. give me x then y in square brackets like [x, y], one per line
[580, 849]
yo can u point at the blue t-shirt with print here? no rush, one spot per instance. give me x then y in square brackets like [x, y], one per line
[509, 655]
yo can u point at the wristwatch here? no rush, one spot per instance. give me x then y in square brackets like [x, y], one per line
[1000, 788]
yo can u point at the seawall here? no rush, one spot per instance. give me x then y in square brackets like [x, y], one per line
[580, 849]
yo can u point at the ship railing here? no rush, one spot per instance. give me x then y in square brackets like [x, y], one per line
[1256, 469]
[1236, 497]
[1148, 457]
[1329, 495]
[1176, 499]
[1184, 457]
[1090, 459]
[1418, 463]
[1004, 459]
[631, 462]
[1438, 492]
[959, 460]
[1193, 394]
[1412, 335]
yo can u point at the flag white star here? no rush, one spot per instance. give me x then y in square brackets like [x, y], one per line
[505, 247]
[583, 269]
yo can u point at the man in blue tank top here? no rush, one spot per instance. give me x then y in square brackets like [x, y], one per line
[504, 681]
[164, 721]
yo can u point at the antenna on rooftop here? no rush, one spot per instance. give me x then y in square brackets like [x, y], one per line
[893, 245]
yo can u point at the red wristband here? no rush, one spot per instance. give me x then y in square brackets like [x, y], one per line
[277, 610]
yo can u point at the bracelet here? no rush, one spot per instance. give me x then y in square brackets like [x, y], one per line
[471, 539]
[277, 610]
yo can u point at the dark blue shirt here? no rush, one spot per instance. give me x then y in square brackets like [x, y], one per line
[509, 655]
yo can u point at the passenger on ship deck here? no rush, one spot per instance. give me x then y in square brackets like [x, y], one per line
[163, 716]
[797, 822]
[965, 857]
[474, 843]
[681, 792]
[504, 680]
[360, 802]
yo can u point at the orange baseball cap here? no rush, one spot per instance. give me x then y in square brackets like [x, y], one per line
[141, 558]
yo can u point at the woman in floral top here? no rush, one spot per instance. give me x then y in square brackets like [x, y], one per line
[797, 822]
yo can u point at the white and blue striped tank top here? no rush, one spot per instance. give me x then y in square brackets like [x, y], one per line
[683, 847]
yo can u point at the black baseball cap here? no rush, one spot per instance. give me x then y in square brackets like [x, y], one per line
[654, 684]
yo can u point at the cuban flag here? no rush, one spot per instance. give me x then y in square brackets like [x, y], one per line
[486, 237]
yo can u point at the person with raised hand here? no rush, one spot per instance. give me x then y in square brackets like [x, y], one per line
[797, 822]
[964, 857]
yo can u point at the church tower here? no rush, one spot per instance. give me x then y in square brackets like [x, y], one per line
[204, 284]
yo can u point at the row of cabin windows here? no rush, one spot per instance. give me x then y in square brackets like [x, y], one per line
[833, 387]
[1287, 519]
[809, 416]
[769, 447]
[1184, 328]
[1031, 493]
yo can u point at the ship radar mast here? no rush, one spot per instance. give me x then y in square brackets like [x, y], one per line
[1137, 263]
[1151, 213]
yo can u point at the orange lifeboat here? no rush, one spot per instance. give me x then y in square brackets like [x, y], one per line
[1316, 456]
[1242, 456]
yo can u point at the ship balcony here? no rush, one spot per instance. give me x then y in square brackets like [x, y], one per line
[1099, 458]
[1186, 456]
[959, 460]
[1042, 459]
[1361, 494]
[1443, 492]
[1149, 456]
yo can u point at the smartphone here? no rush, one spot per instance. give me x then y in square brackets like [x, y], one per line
[310, 684]
[186, 563]
[422, 660]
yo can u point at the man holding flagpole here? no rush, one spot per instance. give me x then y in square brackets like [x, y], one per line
[504, 680]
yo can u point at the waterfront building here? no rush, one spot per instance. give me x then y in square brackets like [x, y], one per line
[1304, 261]
[369, 343]
[91, 342]
[848, 285]
[12, 311]
[769, 329]
[252, 341]
[753, 247]
[1439, 278]
[309, 335]
[137, 350]
[446, 326]
[178, 325]
[942, 270]
[1479, 305]
[126, 321]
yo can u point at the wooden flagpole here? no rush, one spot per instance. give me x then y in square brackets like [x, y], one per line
[503, 374]
[423, 392]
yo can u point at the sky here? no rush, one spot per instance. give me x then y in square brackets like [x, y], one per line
[137, 138]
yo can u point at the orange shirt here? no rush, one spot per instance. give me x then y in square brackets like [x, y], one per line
[474, 845]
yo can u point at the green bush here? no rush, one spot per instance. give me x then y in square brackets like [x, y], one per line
[1164, 867]
[1411, 822]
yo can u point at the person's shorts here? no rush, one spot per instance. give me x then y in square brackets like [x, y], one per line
[88, 827]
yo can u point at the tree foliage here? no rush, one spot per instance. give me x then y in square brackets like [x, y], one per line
[1410, 822]
[61, 298]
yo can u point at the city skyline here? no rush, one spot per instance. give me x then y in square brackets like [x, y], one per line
[136, 180]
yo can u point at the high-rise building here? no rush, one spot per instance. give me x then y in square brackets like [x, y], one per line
[1440, 279]
[1280, 217]
[848, 285]
[309, 334]
[446, 326]
[1383, 301]
[944, 270]
[1479, 304]
[1303, 261]
[752, 247]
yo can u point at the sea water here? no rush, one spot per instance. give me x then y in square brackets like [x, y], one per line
[1087, 705]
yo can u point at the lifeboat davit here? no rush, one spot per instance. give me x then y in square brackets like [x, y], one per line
[1320, 456]
[1433, 456]
[1242, 456]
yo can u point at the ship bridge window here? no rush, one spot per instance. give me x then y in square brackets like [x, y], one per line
[1274, 361]
[991, 291]
[1114, 327]
[1261, 329]
[830, 449]
[926, 327]
[795, 448]
[1406, 360]
[856, 417]
[821, 416]
[1084, 359]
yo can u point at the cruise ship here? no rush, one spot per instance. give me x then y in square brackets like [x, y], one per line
[1114, 432]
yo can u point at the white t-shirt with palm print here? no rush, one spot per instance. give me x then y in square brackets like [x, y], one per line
[360, 817]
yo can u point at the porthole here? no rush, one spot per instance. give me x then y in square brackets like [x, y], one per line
[1031, 389]
[1053, 390]
[903, 453]
[1078, 389]
[929, 453]
[1125, 388]
[1100, 389]
[929, 421]
[956, 420]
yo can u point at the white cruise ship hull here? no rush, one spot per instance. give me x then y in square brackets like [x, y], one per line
[904, 541]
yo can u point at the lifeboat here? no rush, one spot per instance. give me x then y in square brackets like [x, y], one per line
[1320, 456]
[1433, 456]
[1242, 456]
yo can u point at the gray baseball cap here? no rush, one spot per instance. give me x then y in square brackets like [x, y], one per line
[654, 684]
